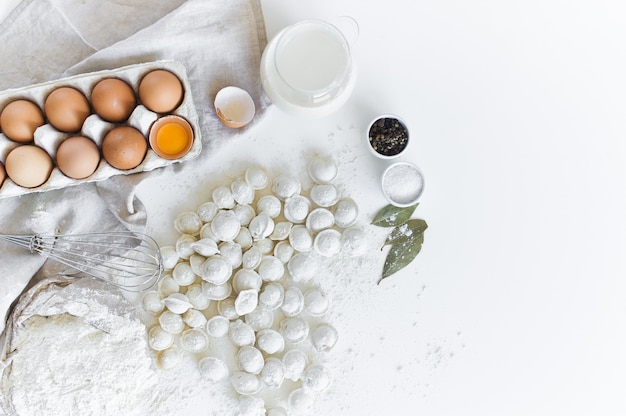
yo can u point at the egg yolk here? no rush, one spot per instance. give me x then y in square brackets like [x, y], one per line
[172, 139]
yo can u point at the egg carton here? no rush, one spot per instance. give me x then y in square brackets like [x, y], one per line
[49, 138]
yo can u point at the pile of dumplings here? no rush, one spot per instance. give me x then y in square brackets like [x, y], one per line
[244, 269]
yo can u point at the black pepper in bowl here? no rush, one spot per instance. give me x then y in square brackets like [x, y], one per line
[388, 136]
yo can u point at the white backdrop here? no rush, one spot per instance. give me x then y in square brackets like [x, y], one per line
[516, 305]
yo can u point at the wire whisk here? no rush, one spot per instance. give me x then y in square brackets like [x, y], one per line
[129, 260]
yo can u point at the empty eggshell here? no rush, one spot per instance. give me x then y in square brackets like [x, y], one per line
[234, 107]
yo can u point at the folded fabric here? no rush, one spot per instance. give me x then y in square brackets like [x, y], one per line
[218, 41]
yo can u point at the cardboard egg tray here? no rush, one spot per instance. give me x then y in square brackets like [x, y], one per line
[49, 138]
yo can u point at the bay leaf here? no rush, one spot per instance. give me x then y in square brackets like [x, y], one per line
[401, 254]
[391, 215]
[406, 231]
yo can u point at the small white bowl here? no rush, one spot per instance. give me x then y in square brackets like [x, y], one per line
[402, 184]
[368, 141]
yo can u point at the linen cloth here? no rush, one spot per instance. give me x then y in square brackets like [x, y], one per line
[220, 42]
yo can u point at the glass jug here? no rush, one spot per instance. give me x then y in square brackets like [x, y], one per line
[307, 69]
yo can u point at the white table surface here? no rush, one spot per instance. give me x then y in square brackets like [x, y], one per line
[517, 303]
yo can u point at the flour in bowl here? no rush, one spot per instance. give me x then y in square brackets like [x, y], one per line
[77, 348]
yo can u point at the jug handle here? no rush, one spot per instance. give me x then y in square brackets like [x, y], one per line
[349, 27]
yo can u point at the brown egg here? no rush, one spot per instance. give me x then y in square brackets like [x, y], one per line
[66, 109]
[3, 174]
[113, 100]
[160, 91]
[78, 157]
[19, 120]
[28, 166]
[124, 147]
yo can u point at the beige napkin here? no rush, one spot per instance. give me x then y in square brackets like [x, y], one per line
[219, 42]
